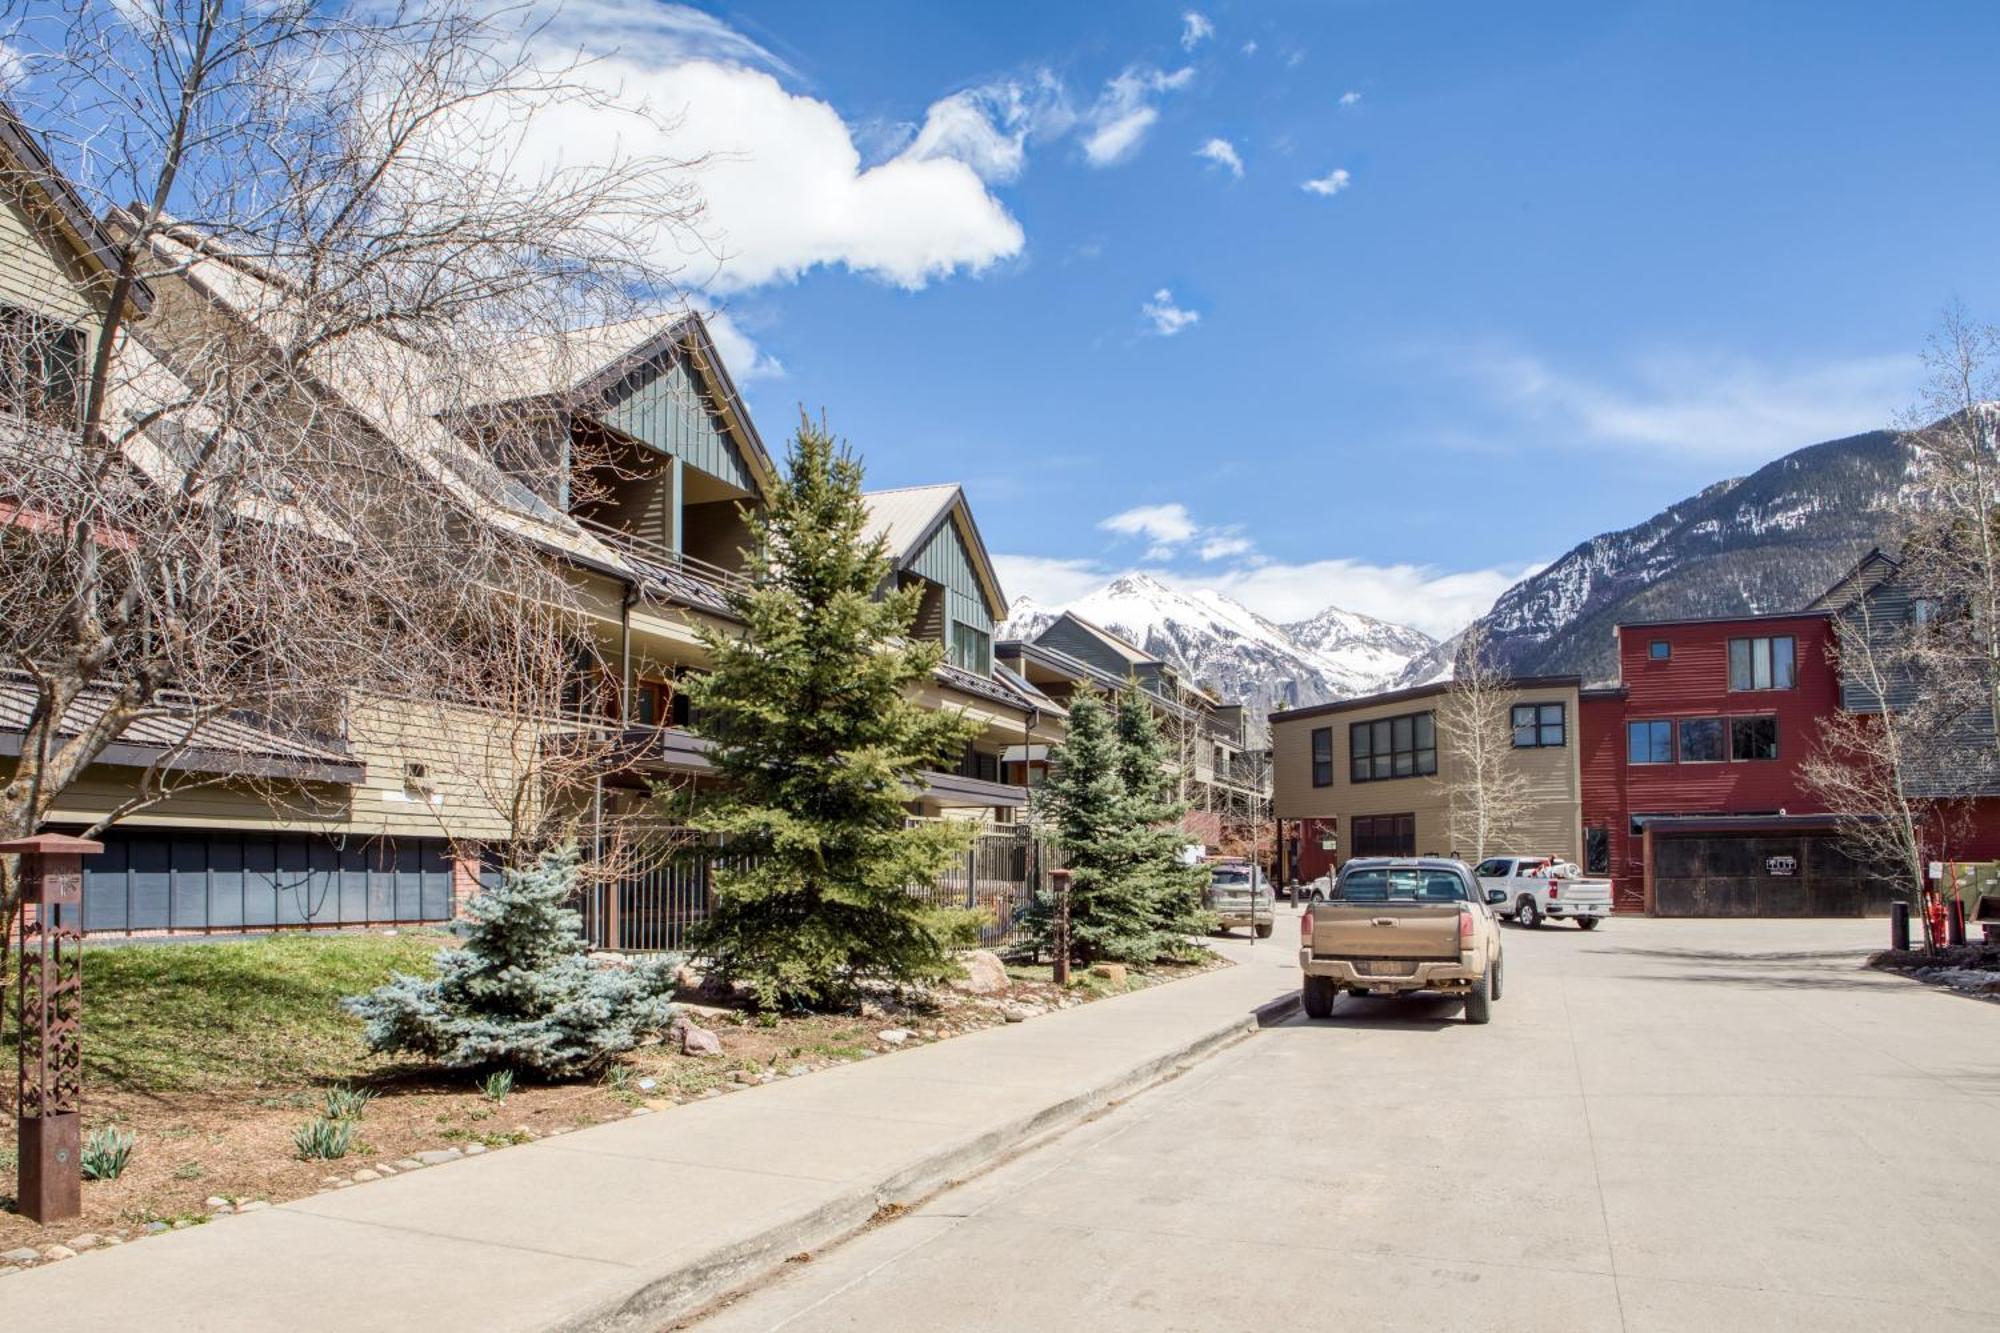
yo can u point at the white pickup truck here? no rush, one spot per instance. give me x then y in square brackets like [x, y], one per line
[1541, 888]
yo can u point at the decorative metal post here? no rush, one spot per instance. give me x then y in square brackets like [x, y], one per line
[1061, 941]
[51, 1023]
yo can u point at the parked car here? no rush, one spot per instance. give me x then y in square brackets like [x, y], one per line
[1392, 926]
[1541, 888]
[1239, 895]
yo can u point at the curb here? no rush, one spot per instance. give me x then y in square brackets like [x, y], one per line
[691, 1288]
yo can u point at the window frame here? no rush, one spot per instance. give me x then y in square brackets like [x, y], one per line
[1777, 750]
[1322, 767]
[1681, 727]
[1660, 650]
[1539, 725]
[1360, 826]
[1750, 662]
[1672, 748]
[1365, 764]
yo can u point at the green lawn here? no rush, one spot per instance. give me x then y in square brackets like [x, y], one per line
[235, 1014]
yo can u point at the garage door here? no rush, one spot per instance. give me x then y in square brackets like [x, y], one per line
[233, 881]
[1796, 874]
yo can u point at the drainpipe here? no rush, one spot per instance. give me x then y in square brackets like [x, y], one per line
[625, 604]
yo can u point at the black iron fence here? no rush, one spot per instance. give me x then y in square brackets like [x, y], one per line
[662, 889]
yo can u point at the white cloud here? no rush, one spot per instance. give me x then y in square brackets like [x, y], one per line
[1713, 407]
[1328, 185]
[1046, 579]
[1350, 98]
[1117, 122]
[745, 359]
[1250, 47]
[1223, 154]
[1167, 318]
[1295, 57]
[1195, 29]
[1167, 524]
[783, 184]
[1221, 548]
[988, 128]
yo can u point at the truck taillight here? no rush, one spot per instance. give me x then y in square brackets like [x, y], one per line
[1306, 927]
[1465, 923]
[1553, 890]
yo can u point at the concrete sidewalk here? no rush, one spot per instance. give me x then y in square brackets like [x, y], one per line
[628, 1225]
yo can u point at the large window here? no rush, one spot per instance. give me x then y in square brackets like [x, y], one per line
[1385, 835]
[1322, 740]
[1392, 747]
[1597, 851]
[1701, 740]
[1538, 726]
[1753, 738]
[41, 366]
[1649, 742]
[971, 648]
[1763, 663]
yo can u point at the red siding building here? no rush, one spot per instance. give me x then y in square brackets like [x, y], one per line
[1690, 770]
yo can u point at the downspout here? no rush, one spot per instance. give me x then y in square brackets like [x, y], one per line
[625, 604]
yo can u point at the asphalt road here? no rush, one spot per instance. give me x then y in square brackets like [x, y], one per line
[1668, 1125]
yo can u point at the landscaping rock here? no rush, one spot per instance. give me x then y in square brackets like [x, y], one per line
[796, 1070]
[474, 1149]
[56, 1253]
[686, 978]
[1014, 1013]
[112, 1240]
[1114, 972]
[408, 1164]
[985, 974]
[696, 1040]
[364, 1175]
[89, 1240]
[22, 1256]
[439, 1156]
[604, 959]
[254, 1206]
[894, 1036]
[214, 1201]
[740, 1076]
[385, 1169]
[333, 1182]
[870, 1010]
[181, 1224]
[152, 1229]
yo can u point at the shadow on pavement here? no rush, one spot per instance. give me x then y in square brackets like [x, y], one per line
[1731, 956]
[1426, 1014]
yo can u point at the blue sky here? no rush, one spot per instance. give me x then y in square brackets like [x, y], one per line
[1563, 263]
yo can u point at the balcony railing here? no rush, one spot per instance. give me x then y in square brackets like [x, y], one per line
[681, 577]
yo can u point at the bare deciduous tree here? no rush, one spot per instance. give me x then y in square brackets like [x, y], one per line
[1487, 797]
[277, 493]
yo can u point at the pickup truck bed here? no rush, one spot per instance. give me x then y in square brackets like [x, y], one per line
[1393, 927]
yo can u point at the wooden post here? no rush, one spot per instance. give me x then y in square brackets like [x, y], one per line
[1063, 925]
[50, 1025]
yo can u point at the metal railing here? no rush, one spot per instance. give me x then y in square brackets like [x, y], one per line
[663, 890]
[682, 575]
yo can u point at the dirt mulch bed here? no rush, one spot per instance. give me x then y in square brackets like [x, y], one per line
[206, 1147]
[1968, 969]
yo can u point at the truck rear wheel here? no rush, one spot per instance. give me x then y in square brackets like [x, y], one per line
[1528, 912]
[1586, 923]
[1479, 1000]
[1317, 996]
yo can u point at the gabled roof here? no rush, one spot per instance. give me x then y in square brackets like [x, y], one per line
[1866, 574]
[64, 209]
[907, 517]
[1125, 648]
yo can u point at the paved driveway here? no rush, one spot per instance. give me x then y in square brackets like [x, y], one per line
[1668, 1125]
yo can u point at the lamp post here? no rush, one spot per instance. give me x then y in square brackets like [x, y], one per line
[51, 1024]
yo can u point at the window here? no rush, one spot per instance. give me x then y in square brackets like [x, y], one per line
[1400, 885]
[1597, 851]
[1538, 726]
[41, 366]
[1701, 740]
[1659, 650]
[1762, 664]
[1392, 747]
[1649, 742]
[1490, 869]
[1385, 835]
[971, 648]
[1753, 738]
[1322, 740]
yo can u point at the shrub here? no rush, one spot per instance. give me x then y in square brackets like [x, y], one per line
[323, 1139]
[107, 1152]
[496, 1085]
[345, 1102]
[522, 994]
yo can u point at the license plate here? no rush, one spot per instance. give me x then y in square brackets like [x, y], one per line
[1383, 967]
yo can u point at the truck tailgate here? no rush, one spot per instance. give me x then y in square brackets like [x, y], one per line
[1384, 930]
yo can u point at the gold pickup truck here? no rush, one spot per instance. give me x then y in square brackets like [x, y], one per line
[1392, 926]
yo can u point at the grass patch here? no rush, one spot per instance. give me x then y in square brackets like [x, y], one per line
[236, 1013]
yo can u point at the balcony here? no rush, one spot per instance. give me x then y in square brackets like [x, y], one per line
[680, 578]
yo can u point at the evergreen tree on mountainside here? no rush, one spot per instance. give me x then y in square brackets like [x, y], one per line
[1154, 810]
[817, 745]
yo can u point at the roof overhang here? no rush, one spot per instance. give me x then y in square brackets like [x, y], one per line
[952, 789]
[217, 763]
[64, 208]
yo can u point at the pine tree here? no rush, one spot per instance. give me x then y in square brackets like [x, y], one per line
[817, 744]
[1173, 887]
[522, 994]
[1112, 915]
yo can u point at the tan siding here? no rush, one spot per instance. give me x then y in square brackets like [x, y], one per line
[472, 759]
[39, 271]
[276, 806]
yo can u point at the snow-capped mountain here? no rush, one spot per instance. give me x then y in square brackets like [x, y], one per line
[1244, 657]
[1771, 541]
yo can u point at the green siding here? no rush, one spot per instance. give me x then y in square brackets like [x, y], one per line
[667, 410]
[946, 561]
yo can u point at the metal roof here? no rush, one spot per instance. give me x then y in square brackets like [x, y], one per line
[907, 516]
